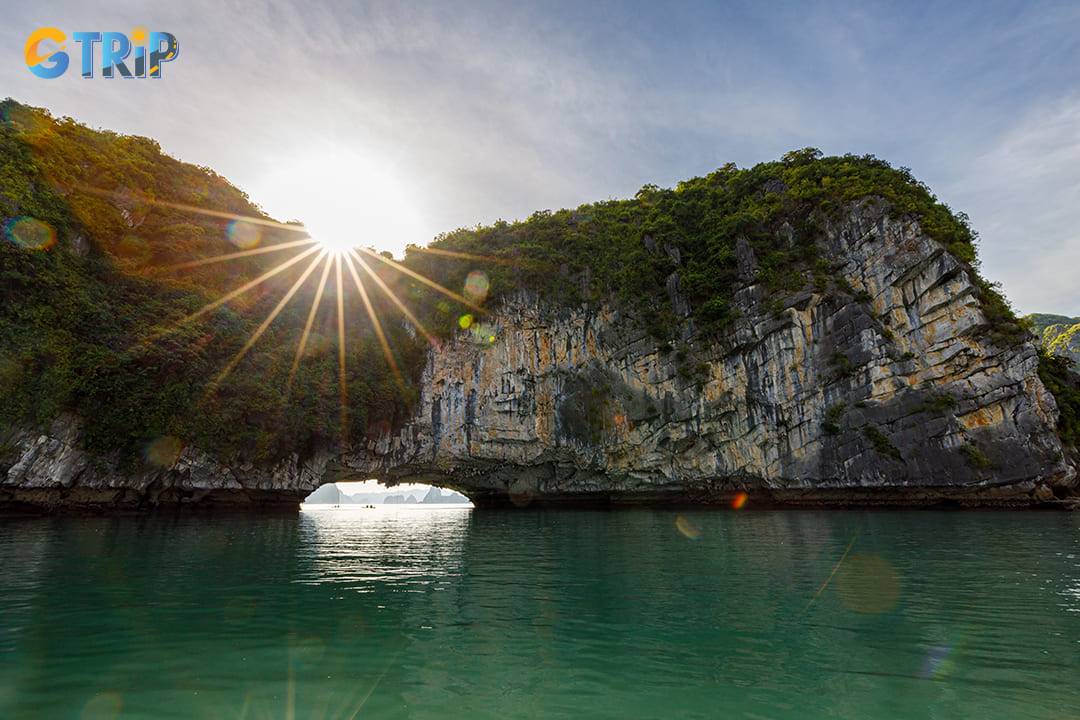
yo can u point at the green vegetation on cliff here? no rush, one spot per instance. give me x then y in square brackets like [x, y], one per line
[90, 313]
[1058, 334]
[1059, 355]
[105, 287]
[634, 248]
[1058, 374]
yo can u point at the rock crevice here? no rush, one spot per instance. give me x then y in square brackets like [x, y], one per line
[882, 388]
[886, 385]
[51, 472]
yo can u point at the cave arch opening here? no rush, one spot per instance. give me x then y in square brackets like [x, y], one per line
[370, 493]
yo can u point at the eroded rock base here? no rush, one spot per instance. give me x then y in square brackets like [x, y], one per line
[91, 501]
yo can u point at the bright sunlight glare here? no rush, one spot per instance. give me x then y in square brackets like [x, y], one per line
[345, 198]
[334, 244]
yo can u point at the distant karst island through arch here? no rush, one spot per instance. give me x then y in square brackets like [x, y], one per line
[370, 494]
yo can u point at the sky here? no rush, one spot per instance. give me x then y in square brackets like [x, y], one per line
[387, 123]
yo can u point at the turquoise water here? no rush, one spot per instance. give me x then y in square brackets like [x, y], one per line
[407, 612]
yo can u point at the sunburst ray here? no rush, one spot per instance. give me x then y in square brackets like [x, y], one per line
[211, 306]
[341, 351]
[195, 209]
[377, 325]
[337, 260]
[307, 326]
[234, 255]
[269, 319]
[430, 283]
[464, 256]
[393, 298]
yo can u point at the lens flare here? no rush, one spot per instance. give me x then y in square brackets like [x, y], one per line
[936, 662]
[351, 629]
[868, 584]
[687, 528]
[479, 333]
[244, 234]
[26, 122]
[309, 652]
[831, 574]
[648, 196]
[30, 233]
[393, 264]
[521, 493]
[739, 501]
[11, 371]
[476, 286]
[134, 248]
[239, 611]
[378, 431]
[144, 198]
[164, 451]
[103, 706]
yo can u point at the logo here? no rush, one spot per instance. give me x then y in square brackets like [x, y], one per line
[46, 58]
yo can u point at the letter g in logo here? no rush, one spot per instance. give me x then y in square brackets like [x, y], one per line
[35, 61]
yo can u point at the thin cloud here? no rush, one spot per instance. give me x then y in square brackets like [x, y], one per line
[1026, 199]
[487, 110]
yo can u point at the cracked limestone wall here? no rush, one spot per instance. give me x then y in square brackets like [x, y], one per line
[882, 389]
[51, 472]
[885, 392]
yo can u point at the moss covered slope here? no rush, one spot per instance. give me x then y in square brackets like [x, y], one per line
[104, 268]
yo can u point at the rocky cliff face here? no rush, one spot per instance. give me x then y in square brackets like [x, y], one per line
[884, 391]
[50, 472]
[881, 388]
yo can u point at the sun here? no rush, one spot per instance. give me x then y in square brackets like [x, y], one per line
[334, 242]
[335, 259]
[346, 197]
[139, 36]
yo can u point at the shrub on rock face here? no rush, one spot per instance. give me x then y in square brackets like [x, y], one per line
[1059, 334]
[731, 227]
[91, 317]
[1059, 375]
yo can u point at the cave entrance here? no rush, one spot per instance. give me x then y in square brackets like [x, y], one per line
[370, 493]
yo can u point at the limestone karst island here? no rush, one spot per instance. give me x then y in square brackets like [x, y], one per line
[809, 331]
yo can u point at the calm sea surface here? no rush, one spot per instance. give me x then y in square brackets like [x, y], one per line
[407, 612]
